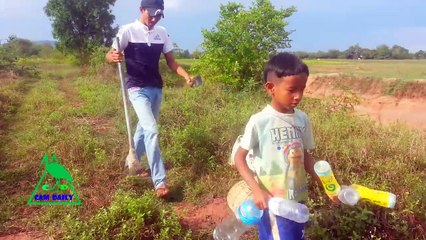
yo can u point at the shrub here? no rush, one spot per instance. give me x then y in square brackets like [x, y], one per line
[129, 217]
[235, 51]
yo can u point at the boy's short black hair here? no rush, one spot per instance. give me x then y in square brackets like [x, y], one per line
[285, 64]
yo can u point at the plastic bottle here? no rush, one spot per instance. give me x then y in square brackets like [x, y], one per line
[234, 226]
[289, 209]
[381, 198]
[348, 195]
[323, 170]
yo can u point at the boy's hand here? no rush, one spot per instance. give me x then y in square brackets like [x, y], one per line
[261, 198]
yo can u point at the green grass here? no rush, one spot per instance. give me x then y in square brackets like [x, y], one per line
[130, 216]
[186, 61]
[408, 70]
[82, 122]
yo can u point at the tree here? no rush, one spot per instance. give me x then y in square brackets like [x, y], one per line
[197, 53]
[420, 54]
[12, 51]
[20, 47]
[81, 25]
[334, 53]
[354, 52]
[399, 52]
[7, 59]
[179, 52]
[237, 48]
[369, 54]
[383, 52]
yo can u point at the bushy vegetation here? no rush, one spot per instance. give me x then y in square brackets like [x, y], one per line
[236, 49]
[13, 55]
[130, 216]
[383, 158]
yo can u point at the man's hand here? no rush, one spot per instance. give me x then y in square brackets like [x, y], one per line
[189, 81]
[115, 56]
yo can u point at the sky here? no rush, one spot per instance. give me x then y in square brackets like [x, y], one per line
[318, 25]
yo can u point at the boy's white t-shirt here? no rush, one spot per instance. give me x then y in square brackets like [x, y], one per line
[278, 141]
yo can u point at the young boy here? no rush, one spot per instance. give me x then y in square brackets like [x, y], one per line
[280, 136]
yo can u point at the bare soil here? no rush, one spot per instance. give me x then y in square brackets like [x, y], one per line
[23, 236]
[205, 216]
[407, 106]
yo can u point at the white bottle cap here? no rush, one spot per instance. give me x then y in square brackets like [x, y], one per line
[348, 196]
[392, 200]
[322, 168]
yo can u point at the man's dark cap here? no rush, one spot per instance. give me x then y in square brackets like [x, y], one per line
[154, 7]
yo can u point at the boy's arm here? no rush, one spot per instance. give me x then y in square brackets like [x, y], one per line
[260, 196]
[309, 166]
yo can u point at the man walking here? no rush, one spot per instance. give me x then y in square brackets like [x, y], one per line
[141, 44]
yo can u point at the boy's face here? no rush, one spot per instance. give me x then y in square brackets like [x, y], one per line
[286, 92]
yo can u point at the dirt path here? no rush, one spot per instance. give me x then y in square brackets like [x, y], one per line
[205, 216]
[24, 236]
[410, 111]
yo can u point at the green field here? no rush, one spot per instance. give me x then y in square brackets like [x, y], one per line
[399, 69]
[186, 61]
[394, 69]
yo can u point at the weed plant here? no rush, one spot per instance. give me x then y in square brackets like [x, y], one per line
[129, 216]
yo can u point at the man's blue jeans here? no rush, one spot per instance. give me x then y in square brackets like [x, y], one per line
[146, 102]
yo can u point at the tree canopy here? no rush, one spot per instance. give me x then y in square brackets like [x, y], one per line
[382, 52]
[237, 48]
[81, 25]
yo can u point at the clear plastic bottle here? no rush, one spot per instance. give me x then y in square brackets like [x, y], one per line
[234, 226]
[291, 210]
[348, 195]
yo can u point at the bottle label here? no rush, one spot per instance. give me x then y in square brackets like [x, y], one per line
[376, 197]
[332, 188]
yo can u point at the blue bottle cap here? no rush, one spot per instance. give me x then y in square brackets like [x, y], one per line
[248, 213]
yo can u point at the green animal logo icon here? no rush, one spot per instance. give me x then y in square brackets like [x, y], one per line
[58, 172]
[60, 192]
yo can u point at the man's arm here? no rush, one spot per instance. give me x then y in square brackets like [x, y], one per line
[175, 67]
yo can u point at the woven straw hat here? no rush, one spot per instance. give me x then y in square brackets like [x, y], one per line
[237, 194]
